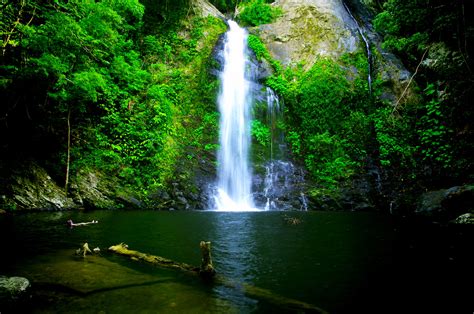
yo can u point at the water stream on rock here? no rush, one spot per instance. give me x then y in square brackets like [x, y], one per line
[367, 47]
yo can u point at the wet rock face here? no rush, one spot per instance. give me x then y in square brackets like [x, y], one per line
[87, 191]
[387, 67]
[34, 188]
[308, 29]
[280, 185]
[30, 187]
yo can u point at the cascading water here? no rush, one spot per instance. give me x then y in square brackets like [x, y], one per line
[367, 47]
[282, 177]
[274, 114]
[235, 99]
[278, 186]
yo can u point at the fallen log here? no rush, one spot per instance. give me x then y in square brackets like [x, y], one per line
[122, 249]
[207, 271]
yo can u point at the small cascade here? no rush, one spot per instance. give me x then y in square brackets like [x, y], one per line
[304, 202]
[235, 100]
[274, 117]
[269, 186]
[367, 47]
[282, 178]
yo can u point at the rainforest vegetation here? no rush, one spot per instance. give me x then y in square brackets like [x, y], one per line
[120, 86]
[128, 88]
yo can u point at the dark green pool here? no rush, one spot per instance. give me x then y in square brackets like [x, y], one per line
[341, 262]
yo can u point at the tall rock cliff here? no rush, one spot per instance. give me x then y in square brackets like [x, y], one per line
[311, 29]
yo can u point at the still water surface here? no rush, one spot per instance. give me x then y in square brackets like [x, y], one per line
[341, 262]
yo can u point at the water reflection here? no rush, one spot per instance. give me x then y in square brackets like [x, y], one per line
[235, 254]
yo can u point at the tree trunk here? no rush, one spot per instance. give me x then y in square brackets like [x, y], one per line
[122, 249]
[206, 270]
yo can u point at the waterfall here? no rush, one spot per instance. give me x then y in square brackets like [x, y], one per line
[234, 101]
[279, 186]
[367, 48]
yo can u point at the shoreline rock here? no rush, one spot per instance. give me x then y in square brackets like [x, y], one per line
[12, 290]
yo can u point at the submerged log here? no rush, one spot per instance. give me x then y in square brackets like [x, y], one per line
[207, 271]
[122, 249]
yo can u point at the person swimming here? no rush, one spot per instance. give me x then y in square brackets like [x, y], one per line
[71, 224]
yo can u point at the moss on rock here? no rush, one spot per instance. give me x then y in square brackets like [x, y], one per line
[308, 30]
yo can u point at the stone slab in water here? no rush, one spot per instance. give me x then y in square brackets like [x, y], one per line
[13, 288]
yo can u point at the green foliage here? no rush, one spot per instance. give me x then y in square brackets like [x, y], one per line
[327, 159]
[261, 132]
[410, 26]
[328, 111]
[356, 130]
[416, 42]
[261, 52]
[132, 94]
[332, 131]
[15, 16]
[322, 97]
[393, 135]
[385, 23]
[395, 23]
[294, 139]
[431, 37]
[206, 133]
[433, 131]
[258, 47]
[257, 12]
[163, 16]
[328, 125]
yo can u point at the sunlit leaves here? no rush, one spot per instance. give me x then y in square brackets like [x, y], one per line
[261, 132]
[88, 85]
[257, 12]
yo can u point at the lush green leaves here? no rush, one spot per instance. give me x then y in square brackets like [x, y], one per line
[394, 138]
[257, 12]
[132, 95]
[261, 132]
[431, 37]
[327, 122]
[434, 132]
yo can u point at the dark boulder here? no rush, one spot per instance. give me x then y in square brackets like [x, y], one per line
[464, 219]
[12, 291]
[446, 204]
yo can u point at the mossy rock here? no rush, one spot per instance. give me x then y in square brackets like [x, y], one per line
[308, 30]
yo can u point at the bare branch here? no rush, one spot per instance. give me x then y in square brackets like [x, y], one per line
[409, 82]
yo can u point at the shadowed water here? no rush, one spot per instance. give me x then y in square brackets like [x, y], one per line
[342, 262]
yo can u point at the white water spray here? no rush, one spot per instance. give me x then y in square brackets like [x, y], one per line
[234, 173]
